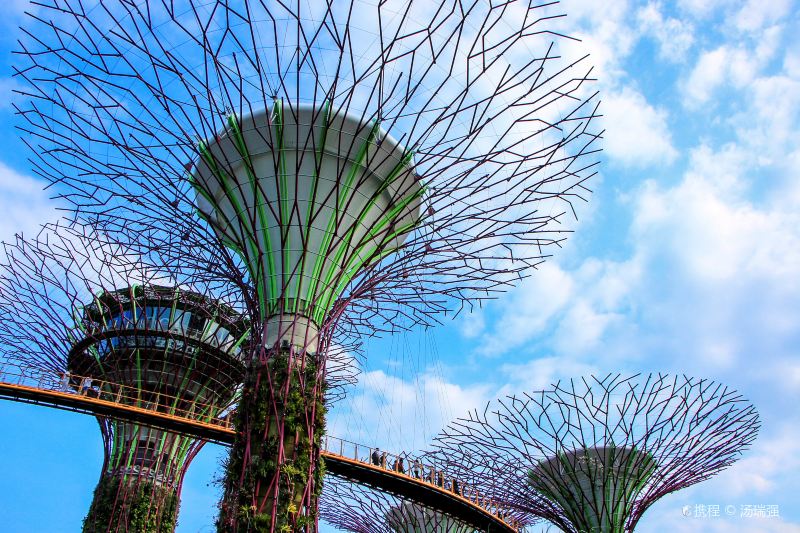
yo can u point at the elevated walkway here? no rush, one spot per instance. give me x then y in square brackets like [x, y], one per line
[409, 479]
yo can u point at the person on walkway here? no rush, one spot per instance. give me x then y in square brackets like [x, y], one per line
[376, 456]
[398, 465]
[417, 469]
[383, 460]
[86, 385]
[456, 488]
[64, 381]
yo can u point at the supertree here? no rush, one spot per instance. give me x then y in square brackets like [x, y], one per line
[106, 325]
[593, 455]
[358, 166]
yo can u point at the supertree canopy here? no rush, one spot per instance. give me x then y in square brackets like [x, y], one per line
[593, 455]
[108, 327]
[351, 166]
[349, 199]
[595, 487]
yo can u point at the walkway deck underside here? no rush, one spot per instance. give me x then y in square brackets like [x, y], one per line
[466, 509]
[411, 489]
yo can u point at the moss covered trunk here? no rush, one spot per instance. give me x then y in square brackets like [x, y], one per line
[133, 505]
[274, 473]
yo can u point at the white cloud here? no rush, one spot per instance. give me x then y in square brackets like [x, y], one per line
[773, 458]
[528, 310]
[402, 415]
[637, 134]
[709, 74]
[675, 37]
[7, 94]
[603, 297]
[730, 65]
[582, 328]
[721, 270]
[710, 281]
[789, 368]
[472, 324]
[723, 169]
[704, 8]
[713, 237]
[708, 268]
[538, 374]
[607, 38]
[25, 204]
[769, 123]
[754, 15]
[791, 63]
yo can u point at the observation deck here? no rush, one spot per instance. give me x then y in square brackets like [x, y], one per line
[426, 484]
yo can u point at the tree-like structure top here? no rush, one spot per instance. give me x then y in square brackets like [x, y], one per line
[595, 454]
[476, 133]
[308, 199]
[65, 290]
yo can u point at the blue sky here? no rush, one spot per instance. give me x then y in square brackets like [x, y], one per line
[686, 259]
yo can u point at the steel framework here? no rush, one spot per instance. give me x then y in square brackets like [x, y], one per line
[593, 455]
[359, 167]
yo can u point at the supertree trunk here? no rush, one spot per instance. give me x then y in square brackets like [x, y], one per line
[304, 196]
[135, 505]
[274, 474]
[140, 484]
[139, 488]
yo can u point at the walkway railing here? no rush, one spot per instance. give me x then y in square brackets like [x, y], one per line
[86, 391]
[416, 470]
[123, 395]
